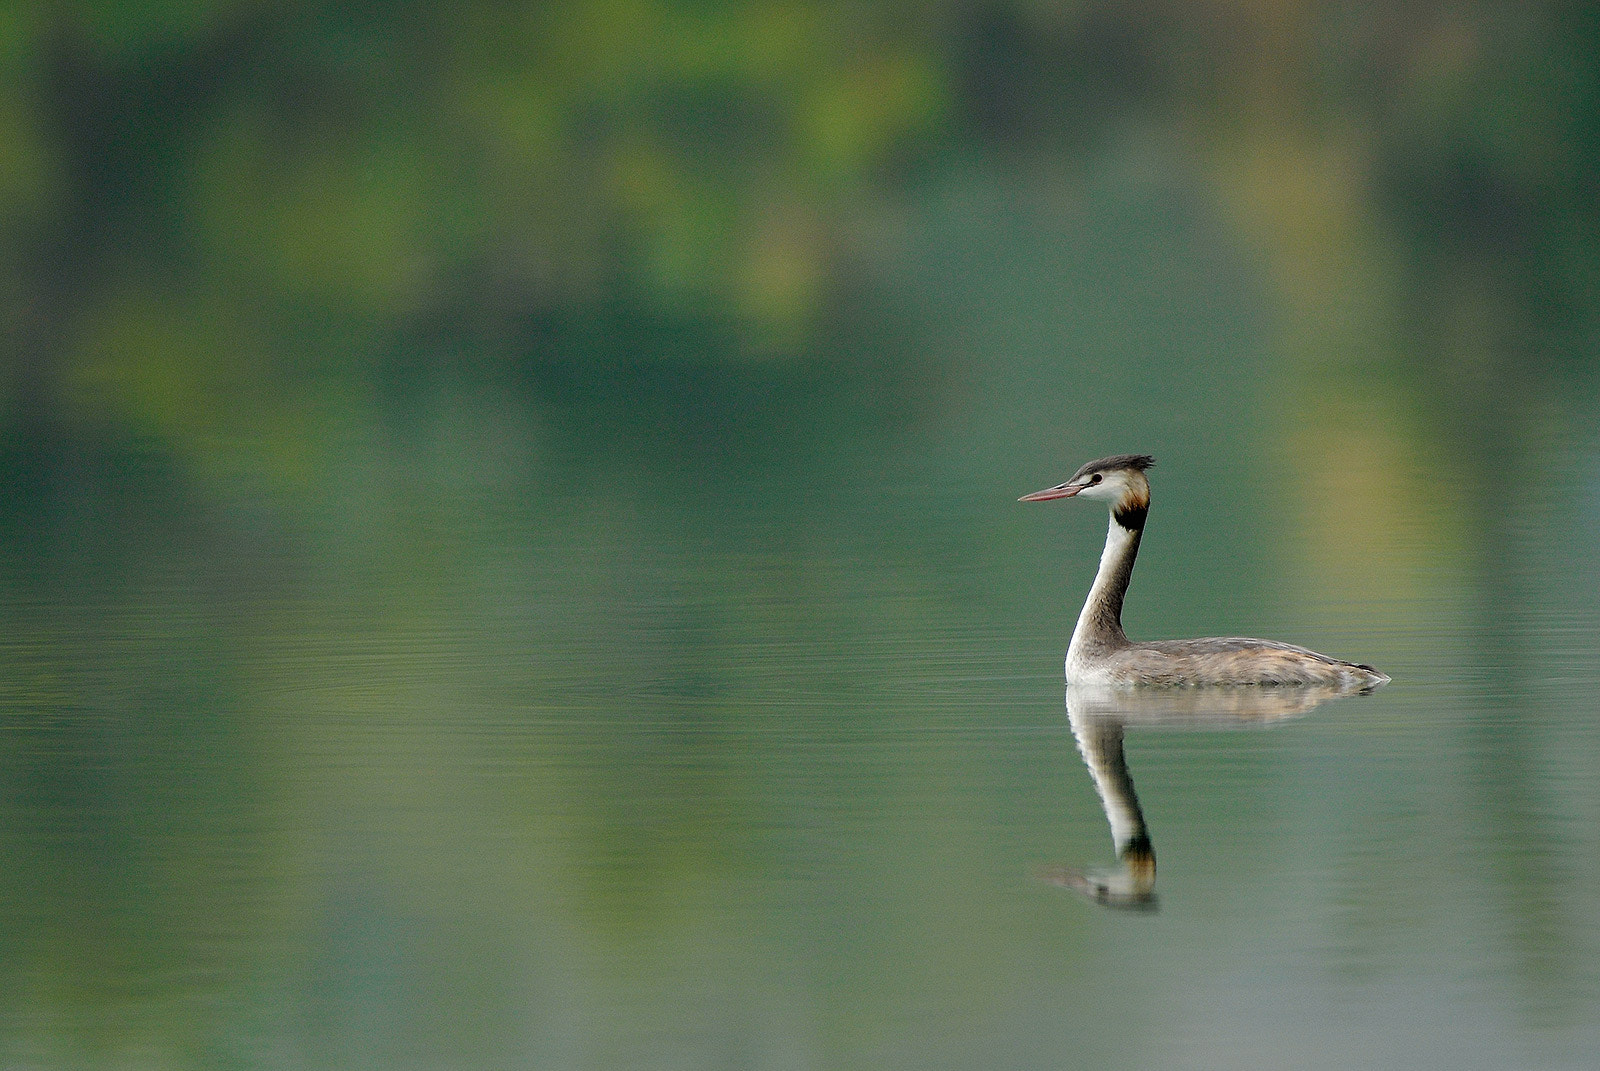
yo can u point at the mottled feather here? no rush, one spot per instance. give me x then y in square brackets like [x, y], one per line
[1234, 660]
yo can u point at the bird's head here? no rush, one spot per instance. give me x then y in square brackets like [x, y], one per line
[1118, 481]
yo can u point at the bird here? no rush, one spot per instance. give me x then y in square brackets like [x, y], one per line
[1101, 653]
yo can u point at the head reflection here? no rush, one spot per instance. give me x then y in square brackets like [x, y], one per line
[1100, 716]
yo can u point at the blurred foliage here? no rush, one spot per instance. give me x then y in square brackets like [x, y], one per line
[215, 211]
[286, 187]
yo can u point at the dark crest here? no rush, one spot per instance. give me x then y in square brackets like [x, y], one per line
[1137, 462]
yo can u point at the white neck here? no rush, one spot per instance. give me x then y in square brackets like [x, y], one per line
[1100, 623]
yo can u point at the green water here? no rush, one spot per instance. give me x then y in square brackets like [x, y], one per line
[500, 758]
[509, 554]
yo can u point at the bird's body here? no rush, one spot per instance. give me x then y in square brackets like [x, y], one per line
[1101, 653]
[1230, 660]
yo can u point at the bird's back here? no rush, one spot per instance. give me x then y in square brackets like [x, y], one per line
[1233, 660]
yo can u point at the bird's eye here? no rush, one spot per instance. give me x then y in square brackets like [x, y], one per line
[1095, 478]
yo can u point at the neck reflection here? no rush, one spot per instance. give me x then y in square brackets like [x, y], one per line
[1099, 718]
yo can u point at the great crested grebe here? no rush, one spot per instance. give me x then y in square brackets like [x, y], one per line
[1102, 654]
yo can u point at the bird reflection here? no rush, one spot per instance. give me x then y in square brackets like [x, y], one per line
[1099, 717]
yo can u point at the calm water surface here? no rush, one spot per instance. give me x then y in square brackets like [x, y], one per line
[661, 772]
